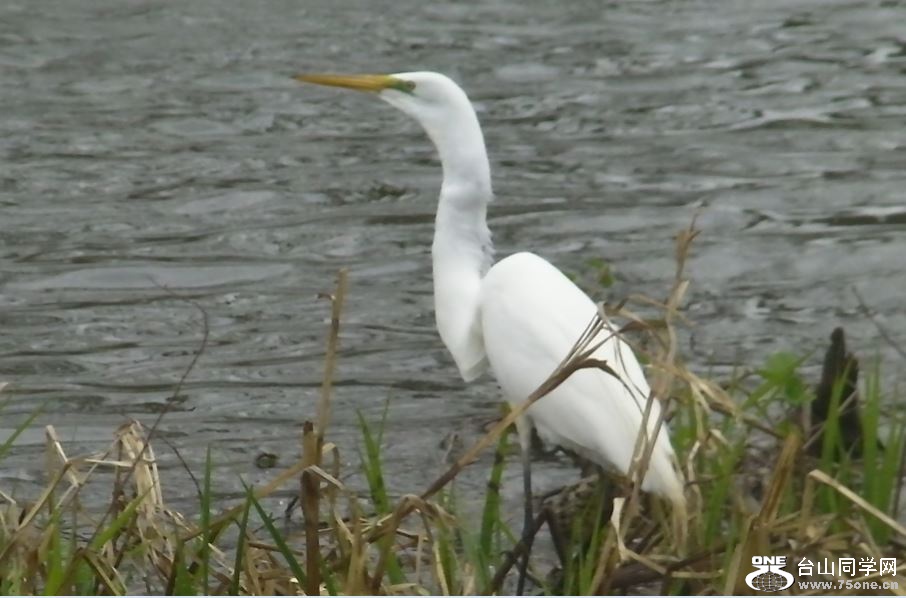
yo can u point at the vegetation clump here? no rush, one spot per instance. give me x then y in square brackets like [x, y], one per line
[770, 470]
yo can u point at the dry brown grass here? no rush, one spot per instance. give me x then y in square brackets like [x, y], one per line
[752, 489]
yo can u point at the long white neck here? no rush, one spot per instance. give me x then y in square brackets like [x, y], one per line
[460, 229]
[462, 248]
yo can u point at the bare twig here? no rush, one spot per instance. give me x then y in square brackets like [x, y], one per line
[513, 556]
[310, 494]
[330, 359]
[170, 402]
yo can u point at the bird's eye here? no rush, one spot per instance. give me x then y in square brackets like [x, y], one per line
[410, 85]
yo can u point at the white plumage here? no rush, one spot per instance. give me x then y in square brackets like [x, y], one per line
[522, 316]
[532, 315]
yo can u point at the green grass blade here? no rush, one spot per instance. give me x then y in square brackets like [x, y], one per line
[372, 465]
[723, 472]
[490, 516]
[240, 546]
[84, 579]
[8, 443]
[444, 540]
[279, 540]
[183, 581]
[329, 578]
[56, 557]
[205, 505]
[126, 516]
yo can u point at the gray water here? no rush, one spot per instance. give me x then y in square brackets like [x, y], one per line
[156, 157]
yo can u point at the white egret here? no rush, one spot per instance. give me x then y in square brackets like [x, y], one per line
[521, 316]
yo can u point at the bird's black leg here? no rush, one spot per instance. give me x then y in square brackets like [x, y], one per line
[527, 525]
[288, 513]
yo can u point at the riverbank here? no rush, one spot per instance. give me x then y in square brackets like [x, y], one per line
[776, 466]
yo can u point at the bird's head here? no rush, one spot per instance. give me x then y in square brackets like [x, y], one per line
[432, 99]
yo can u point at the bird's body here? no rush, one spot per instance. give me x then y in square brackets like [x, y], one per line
[532, 315]
[520, 317]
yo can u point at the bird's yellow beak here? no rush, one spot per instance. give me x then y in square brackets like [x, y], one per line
[375, 83]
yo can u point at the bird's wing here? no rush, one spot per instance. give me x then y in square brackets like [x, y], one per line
[532, 315]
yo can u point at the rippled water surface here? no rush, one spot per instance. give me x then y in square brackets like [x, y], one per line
[155, 157]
